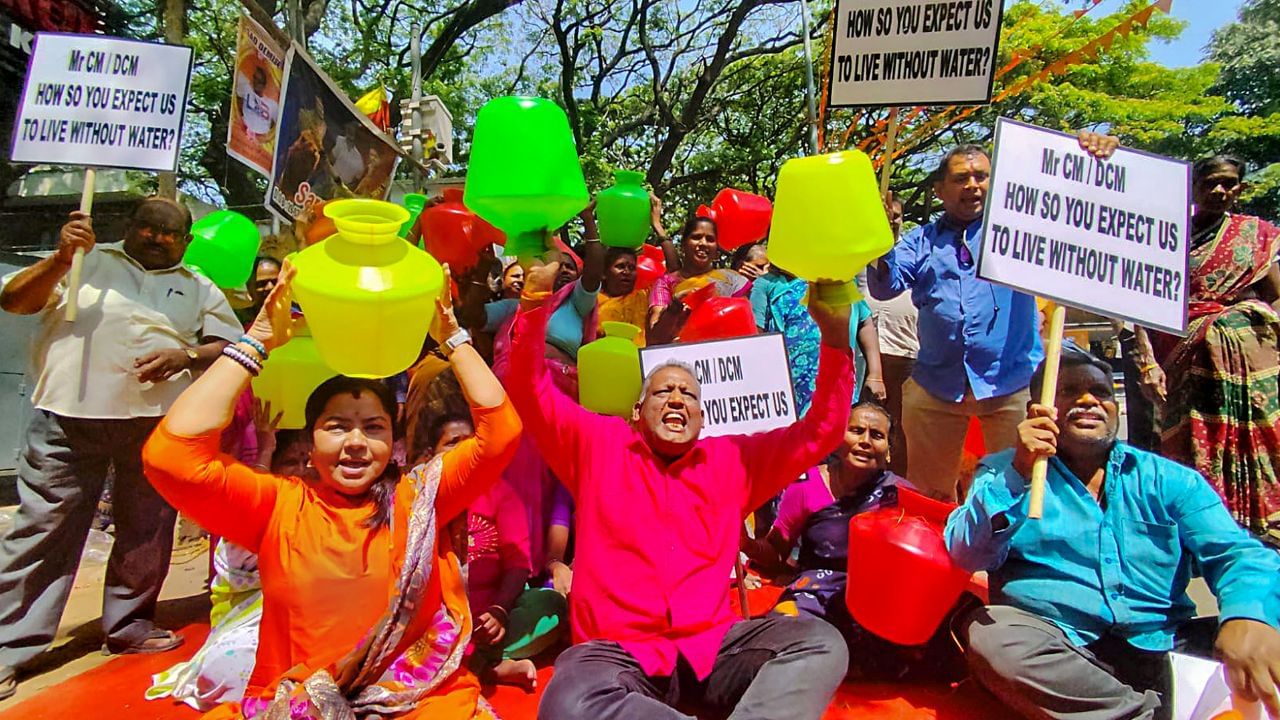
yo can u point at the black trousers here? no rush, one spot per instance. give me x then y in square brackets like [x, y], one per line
[767, 668]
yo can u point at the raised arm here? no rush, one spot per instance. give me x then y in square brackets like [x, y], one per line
[31, 290]
[593, 261]
[979, 531]
[778, 457]
[558, 424]
[477, 463]
[669, 252]
[896, 272]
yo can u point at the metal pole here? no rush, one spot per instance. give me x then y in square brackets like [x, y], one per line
[415, 97]
[808, 78]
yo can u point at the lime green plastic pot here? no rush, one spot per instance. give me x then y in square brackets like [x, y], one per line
[622, 211]
[609, 377]
[369, 297]
[828, 220]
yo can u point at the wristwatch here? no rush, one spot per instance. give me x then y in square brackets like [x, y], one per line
[192, 355]
[460, 338]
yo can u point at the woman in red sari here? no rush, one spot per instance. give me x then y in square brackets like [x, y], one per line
[1218, 385]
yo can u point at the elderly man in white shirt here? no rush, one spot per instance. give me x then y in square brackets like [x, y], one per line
[145, 324]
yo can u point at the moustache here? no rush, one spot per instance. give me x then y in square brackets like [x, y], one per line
[1091, 413]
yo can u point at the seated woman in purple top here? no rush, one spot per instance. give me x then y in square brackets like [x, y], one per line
[814, 515]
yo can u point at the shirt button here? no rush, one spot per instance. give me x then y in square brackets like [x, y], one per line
[1110, 561]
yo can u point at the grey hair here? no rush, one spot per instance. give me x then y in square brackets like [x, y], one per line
[670, 363]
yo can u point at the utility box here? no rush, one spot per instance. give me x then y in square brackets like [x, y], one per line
[436, 130]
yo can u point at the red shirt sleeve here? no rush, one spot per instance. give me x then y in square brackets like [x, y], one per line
[561, 428]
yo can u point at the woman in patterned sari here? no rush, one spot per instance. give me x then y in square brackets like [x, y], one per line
[1221, 413]
[699, 253]
[364, 612]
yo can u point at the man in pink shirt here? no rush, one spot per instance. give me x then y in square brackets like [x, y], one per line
[658, 519]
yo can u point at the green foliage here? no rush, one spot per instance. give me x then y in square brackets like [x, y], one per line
[1248, 53]
[705, 94]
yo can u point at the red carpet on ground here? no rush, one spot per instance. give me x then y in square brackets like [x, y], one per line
[115, 690]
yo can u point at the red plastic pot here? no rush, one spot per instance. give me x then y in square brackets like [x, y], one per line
[716, 318]
[447, 230]
[902, 582]
[650, 265]
[741, 218]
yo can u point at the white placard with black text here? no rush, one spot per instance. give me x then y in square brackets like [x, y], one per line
[102, 101]
[914, 52]
[1108, 236]
[746, 382]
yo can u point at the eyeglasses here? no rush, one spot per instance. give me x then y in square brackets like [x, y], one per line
[160, 230]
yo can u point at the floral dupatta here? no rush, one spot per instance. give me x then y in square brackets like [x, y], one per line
[371, 681]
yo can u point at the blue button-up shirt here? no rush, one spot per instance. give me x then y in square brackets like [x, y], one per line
[1120, 566]
[971, 332]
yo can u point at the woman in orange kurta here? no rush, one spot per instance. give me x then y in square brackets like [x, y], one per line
[364, 608]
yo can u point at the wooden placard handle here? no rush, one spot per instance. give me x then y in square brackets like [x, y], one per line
[1048, 393]
[77, 260]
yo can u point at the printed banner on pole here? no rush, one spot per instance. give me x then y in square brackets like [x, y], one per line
[746, 382]
[914, 52]
[1108, 236]
[325, 148]
[101, 101]
[255, 97]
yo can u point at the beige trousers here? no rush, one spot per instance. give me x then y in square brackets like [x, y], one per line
[936, 429]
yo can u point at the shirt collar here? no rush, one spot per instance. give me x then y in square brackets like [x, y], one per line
[117, 248]
[946, 222]
[1120, 461]
[695, 455]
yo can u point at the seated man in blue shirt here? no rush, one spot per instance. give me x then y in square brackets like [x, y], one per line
[1087, 600]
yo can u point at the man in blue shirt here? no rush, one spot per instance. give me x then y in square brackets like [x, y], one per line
[1087, 600]
[978, 341]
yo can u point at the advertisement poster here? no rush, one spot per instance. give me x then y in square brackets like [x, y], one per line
[325, 148]
[255, 97]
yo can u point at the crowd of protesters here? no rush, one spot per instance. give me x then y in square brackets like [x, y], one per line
[441, 530]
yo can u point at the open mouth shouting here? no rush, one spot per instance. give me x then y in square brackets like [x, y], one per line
[675, 421]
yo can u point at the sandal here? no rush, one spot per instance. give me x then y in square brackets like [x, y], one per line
[8, 682]
[156, 640]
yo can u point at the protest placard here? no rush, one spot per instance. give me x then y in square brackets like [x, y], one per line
[255, 97]
[102, 101]
[1108, 236]
[326, 149]
[914, 52]
[746, 381]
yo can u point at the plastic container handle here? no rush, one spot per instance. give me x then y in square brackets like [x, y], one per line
[626, 331]
[845, 293]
